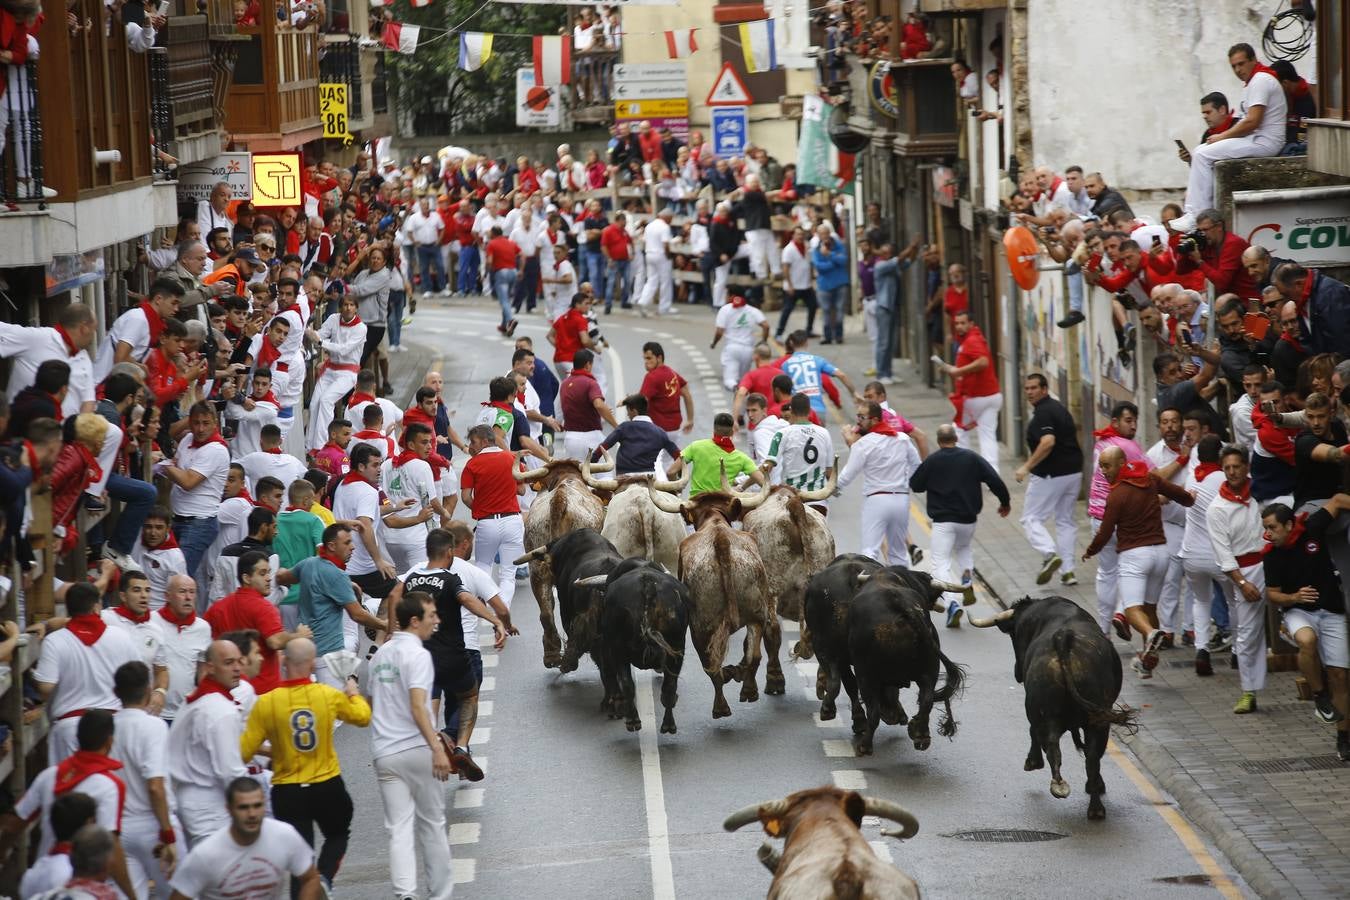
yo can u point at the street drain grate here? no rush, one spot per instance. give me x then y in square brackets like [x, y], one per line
[1198, 880]
[1006, 836]
[1293, 764]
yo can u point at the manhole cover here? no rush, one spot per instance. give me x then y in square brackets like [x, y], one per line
[1293, 764]
[1006, 836]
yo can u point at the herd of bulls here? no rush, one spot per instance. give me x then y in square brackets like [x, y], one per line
[631, 582]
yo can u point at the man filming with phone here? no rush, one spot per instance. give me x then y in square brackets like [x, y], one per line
[1218, 119]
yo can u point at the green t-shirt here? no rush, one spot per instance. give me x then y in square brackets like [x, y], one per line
[299, 533]
[705, 457]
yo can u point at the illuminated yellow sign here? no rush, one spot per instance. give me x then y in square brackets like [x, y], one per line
[333, 110]
[276, 179]
[652, 109]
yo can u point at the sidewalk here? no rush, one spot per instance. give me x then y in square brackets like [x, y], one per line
[1268, 787]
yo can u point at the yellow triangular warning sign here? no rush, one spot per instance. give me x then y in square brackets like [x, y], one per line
[728, 89]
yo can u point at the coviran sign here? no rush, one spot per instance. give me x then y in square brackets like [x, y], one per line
[1309, 226]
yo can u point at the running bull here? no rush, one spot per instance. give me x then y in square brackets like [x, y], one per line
[794, 542]
[564, 504]
[825, 855]
[642, 624]
[634, 524]
[726, 580]
[1072, 676]
[571, 559]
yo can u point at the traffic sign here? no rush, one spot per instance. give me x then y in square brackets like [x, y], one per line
[647, 109]
[649, 90]
[728, 89]
[630, 72]
[537, 106]
[730, 130]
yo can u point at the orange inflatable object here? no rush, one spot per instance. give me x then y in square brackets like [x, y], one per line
[1022, 250]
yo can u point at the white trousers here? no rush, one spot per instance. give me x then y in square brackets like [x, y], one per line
[719, 297]
[140, 836]
[406, 555]
[984, 411]
[1141, 574]
[765, 257]
[869, 309]
[201, 810]
[663, 459]
[736, 360]
[1108, 575]
[1174, 601]
[503, 539]
[414, 816]
[1200, 186]
[658, 282]
[61, 741]
[1052, 496]
[950, 548]
[885, 520]
[581, 444]
[328, 391]
[1201, 575]
[107, 454]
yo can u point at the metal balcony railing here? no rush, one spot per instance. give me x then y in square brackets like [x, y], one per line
[21, 139]
[341, 63]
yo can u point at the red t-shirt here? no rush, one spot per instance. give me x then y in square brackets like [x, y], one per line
[981, 383]
[242, 610]
[501, 253]
[759, 380]
[615, 241]
[577, 398]
[463, 226]
[955, 300]
[489, 475]
[662, 387]
[567, 332]
[650, 143]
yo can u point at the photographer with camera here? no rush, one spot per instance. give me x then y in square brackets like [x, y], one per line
[1216, 252]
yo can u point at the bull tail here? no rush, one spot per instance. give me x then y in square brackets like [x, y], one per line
[1119, 714]
[658, 649]
[952, 686]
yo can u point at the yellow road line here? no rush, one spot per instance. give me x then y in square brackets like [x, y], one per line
[1184, 832]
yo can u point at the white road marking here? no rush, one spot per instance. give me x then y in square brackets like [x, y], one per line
[489, 660]
[810, 692]
[484, 708]
[481, 735]
[807, 668]
[834, 748]
[846, 780]
[463, 871]
[789, 625]
[882, 850]
[469, 798]
[616, 369]
[489, 683]
[465, 833]
[658, 836]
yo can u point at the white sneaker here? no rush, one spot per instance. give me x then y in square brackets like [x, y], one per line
[1183, 224]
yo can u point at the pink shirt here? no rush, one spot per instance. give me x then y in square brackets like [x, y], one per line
[1100, 486]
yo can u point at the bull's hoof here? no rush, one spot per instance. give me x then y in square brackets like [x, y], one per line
[720, 708]
[552, 659]
[1033, 763]
[749, 692]
[821, 682]
[802, 650]
[1059, 789]
[859, 725]
[774, 685]
[633, 724]
[862, 747]
[668, 723]
[827, 711]
[613, 714]
[1096, 809]
[566, 665]
[922, 743]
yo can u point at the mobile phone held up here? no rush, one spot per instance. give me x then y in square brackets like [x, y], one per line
[1181, 146]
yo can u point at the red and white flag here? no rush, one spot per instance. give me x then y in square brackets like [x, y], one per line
[400, 36]
[552, 60]
[418, 4]
[680, 43]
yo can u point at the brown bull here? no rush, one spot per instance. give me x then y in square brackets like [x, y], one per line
[634, 524]
[824, 853]
[726, 581]
[563, 505]
[794, 542]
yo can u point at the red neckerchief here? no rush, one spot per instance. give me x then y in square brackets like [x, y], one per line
[413, 415]
[267, 354]
[154, 320]
[354, 476]
[1135, 473]
[88, 628]
[31, 452]
[95, 471]
[167, 615]
[1295, 342]
[404, 458]
[209, 685]
[244, 495]
[1224, 125]
[1296, 532]
[1102, 434]
[737, 301]
[1242, 496]
[1300, 89]
[725, 220]
[131, 616]
[65, 336]
[324, 554]
[883, 428]
[60, 848]
[1205, 469]
[79, 766]
[356, 320]
[724, 442]
[582, 373]
[359, 397]
[170, 542]
[438, 465]
[215, 438]
[1054, 186]
[1302, 302]
[276, 450]
[502, 405]
[1261, 67]
[801, 247]
[268, 397]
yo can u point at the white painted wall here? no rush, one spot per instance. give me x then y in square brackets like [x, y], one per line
[1113, 84]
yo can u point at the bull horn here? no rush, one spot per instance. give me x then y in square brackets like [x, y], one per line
[967, 592]
[531, 475]
[990, 622]
[678, 485]
[742, 817]
[726, 485]
[592, 581]
[600, 484]
[886, 809]
[664, 502]
[749, 499]
[823, 493]
[534, 555]
[605, 465]
[863, 576]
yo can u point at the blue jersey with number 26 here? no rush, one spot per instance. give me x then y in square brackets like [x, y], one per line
[805, 370]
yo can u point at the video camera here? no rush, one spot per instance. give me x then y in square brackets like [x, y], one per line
[1192, 241]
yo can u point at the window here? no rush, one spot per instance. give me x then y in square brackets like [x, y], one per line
[1333, 55]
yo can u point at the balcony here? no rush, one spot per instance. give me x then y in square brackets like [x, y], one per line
[597, 67]
[926, 99]
[341, 63]
[274, 101]
[21, 165]
[182, 91]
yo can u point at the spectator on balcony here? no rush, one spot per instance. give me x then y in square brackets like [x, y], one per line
[587, 34]
[1260, 132]
[1218, 119]
[1218, 256]
[1323, 307]
[1260, 265]
[247, 13]
[211, 212]
[1105, 199]
[1302, 107]
[138, 23]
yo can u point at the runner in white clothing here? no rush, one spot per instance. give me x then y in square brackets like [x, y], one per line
[742, 325]
[885, 459]
[139, 742]
[184, 638]
[342, 336]
[655, 250]
[409, 481]
[802, 454]
[764, 428]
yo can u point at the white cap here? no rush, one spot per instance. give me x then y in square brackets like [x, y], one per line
[426, 160]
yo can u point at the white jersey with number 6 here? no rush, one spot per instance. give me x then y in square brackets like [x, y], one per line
[802, 453]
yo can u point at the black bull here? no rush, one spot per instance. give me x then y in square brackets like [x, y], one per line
[576, 555]
[1072, 676]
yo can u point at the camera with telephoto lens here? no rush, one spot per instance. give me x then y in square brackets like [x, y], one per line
[1192, 241]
